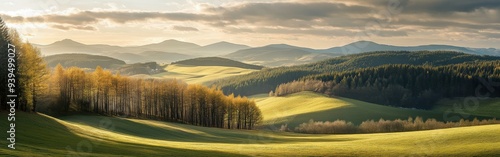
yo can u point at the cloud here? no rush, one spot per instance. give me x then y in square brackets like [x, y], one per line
[320, 18]
[491, 35]
[184, 28]
[450, 6]
[73, 27]
[321, 32]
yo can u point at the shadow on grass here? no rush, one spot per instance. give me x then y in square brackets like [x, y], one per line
[362, 111]
[41, 135]
[189, 133]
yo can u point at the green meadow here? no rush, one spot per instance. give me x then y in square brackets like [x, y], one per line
[298, 108]
[201, 74]
[93, 135]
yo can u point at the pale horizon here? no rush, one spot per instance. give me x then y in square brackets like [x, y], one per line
[247, 44]
[313, 24]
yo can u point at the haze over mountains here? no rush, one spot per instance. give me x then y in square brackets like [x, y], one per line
[163, 52]
[272, 55]
[278, 55]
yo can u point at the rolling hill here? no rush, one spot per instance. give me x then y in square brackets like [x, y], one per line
[66, 46]
[164, 57]
[216, 61]
[205, 70]
[150, 56]
[278, 55]
[169, 46]
[368, 46]
[267, 79]
[218, 49]
[90, 62]
[129, 58]
[199, 70]
[83, 61]
[148, 68]
[91, 135]
[205, 75]
[300, 107]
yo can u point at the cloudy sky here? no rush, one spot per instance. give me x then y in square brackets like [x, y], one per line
[310, 23]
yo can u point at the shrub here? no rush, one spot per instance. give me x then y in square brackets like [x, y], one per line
[327, 127]
[284, 128]
[371, 126]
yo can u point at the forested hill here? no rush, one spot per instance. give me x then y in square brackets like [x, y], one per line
[217, 61]
[83, 61]
[409, 86]
[268, 79]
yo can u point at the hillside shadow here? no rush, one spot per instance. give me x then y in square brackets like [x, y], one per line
[189, 133]
[38, 134]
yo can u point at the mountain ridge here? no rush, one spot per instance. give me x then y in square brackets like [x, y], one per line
[351, 48]
[271, 55]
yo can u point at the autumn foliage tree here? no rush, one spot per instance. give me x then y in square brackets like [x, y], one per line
[30, 69]
[105, 93]
[32, 74]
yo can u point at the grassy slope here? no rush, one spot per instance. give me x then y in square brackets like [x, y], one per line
[40, 135]
[300, 107]
[201, 74]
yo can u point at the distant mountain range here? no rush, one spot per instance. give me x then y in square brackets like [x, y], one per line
[284, 55]
[367, 46]
[270, 55]
[163, 52]
[278, 55]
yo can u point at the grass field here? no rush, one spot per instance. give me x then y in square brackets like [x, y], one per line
[201, 74]
[300, 107]
[91, 135]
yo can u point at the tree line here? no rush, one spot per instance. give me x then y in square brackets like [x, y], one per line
[101, 92]
[380, 126]
[406, 86]
[268, 79]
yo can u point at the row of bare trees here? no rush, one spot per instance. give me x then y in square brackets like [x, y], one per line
[102, 92]
[371, 126]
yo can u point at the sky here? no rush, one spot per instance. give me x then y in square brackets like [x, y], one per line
[308, 23]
